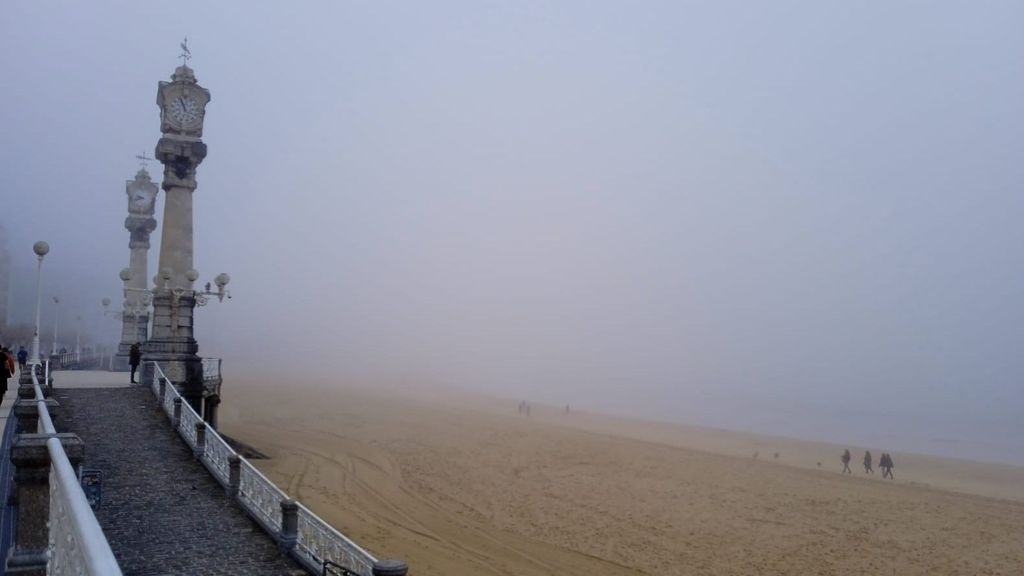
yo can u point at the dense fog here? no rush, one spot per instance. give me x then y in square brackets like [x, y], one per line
[794, 218]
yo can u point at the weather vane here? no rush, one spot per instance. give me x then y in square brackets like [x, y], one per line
[143, 159]
[186, 54]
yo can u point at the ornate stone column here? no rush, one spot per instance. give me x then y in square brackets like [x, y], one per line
[140, 223]
[172, 344]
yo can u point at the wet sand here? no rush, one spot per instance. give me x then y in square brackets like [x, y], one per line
[460, 484]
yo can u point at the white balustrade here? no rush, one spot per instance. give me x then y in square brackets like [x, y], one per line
[317, 540]
[216, 456]
[260, 496]
[189, 419]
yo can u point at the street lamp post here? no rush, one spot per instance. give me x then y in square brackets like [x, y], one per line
[78, 338]
[41, 249]
[117, 315]
[56, 318]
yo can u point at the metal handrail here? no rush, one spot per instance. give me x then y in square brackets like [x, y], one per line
[308, 548]
[82, 549]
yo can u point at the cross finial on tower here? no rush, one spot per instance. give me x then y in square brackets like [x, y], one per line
[186, 54]
[143, 159]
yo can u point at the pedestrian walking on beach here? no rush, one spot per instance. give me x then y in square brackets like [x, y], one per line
[134, 357]
[22, 358]
[846, 462]
[867, 463]
[885, 463]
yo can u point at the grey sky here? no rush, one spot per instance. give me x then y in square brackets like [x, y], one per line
[799, 217]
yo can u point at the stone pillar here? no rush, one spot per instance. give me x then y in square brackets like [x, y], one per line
[140, 223]
[200, 450]
[172, 344]
[31, 459]
[146, 370]
[27, 412]
[289, 524]
[210, 404]
[234, 474]
[176, 418]
[25, 387]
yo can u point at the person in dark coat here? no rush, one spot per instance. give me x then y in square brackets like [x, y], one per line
[867, 463]
[846, 462]
[6, 369]
[134, 357]
[22, 357]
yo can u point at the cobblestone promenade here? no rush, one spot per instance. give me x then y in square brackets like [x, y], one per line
[161, 510]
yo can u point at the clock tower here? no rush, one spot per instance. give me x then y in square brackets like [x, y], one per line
[140, 223]
[182, 103]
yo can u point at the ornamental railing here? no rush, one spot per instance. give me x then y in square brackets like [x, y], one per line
[306, 536]
[63, 359]
[76, 541]
[318, 540]
[211, 369]
[261, 497]
[78, 360]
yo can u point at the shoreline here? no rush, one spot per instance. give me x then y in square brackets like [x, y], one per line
[458, 484]
[956, 473]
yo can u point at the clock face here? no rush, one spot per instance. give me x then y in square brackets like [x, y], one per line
[140, 201]
[185, 111]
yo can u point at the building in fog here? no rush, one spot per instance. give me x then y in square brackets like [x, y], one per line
[5, 278]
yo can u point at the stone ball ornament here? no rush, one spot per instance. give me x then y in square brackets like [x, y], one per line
[41, 248]
[126, 274]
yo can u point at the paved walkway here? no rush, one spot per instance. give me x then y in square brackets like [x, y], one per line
[161, 510]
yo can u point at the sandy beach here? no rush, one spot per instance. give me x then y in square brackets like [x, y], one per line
[462, 484]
